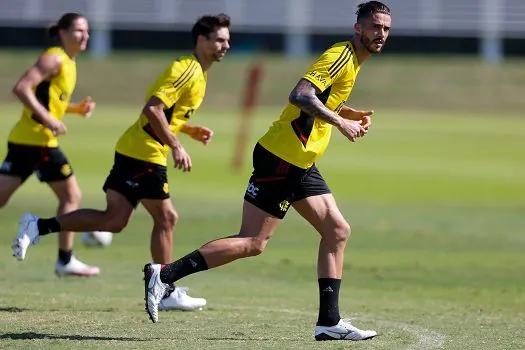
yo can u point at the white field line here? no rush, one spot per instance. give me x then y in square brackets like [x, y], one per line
[426, 338]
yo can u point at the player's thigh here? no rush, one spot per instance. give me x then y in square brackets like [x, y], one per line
[257, 223]
[322, 213]
[119, 208]
[8, 185]
[161, 210]
[315, 203]
[66, 190]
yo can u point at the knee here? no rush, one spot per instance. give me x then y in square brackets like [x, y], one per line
[171, 217]
[167, 220]
[255, 246]
[340, 233]
[115, 223]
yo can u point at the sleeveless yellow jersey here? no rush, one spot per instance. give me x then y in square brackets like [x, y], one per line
[54, 95]
[181, 88]
[299, 138]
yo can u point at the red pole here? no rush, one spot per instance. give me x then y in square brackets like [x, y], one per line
[248, 104]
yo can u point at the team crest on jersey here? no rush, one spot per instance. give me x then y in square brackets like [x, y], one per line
[166, 187]
[66, 170]
[284, 205]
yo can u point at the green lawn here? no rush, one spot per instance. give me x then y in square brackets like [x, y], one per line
[435, 261]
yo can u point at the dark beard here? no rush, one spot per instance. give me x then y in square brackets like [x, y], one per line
[367, 44]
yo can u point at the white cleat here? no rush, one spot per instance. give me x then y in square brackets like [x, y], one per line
[75, 267]
[179, 300]
[154, 290]
[343, 331]
[27, 234]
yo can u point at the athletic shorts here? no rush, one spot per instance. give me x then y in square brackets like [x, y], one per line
[276, 184]
[48, 163]
[136, 179]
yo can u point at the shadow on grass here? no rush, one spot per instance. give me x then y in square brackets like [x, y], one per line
[243, 339]
[46, 336]
[13, 309]
[32, 336]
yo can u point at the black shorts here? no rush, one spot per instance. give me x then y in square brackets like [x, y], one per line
[136, 179]
[49, 163]
[276, 184]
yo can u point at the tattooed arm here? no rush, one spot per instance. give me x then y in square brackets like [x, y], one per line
[304, 97]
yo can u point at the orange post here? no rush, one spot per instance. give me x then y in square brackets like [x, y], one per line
[248, 104]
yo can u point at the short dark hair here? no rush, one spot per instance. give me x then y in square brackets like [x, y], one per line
[367, 9]
[64, 22]
[208, 24]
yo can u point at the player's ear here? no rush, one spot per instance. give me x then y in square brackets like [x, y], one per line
[202, 38]
[358, 28]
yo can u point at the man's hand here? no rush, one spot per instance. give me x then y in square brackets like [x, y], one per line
[199, 133]
[85, 107]
[351, 129]
[56, 126]
[364, 117]
[181, 158]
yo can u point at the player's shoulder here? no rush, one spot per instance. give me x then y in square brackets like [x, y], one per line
[186, 65]
[51, 58]
[339, 48]
[184, 61]
[54, 52]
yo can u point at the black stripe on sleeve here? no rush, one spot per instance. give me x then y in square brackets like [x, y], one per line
[182, 75]
[186, 76]
[341, 61]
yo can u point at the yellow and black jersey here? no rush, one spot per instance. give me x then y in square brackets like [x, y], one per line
[181, 87]
[54, 95]
[300, 139]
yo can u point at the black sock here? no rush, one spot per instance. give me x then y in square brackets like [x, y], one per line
[328, 301]
[46, 226]
[192, 263]
[65, 256]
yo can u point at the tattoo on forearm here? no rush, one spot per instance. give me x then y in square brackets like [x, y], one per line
[304, 97]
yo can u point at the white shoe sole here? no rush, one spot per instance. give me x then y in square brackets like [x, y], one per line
[149, 298]
[19, 251]
[22, 240]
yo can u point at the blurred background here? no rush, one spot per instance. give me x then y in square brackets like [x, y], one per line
[434, 193]
[438, 49]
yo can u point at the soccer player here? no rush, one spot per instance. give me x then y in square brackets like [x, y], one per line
[45, 91]
[285, 175]
[139, 170]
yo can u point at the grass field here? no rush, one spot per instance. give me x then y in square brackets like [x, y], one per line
[435, 261]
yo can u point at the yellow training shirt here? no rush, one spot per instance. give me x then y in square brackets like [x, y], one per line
[181, 87]
[300, 139]
[54, 95]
